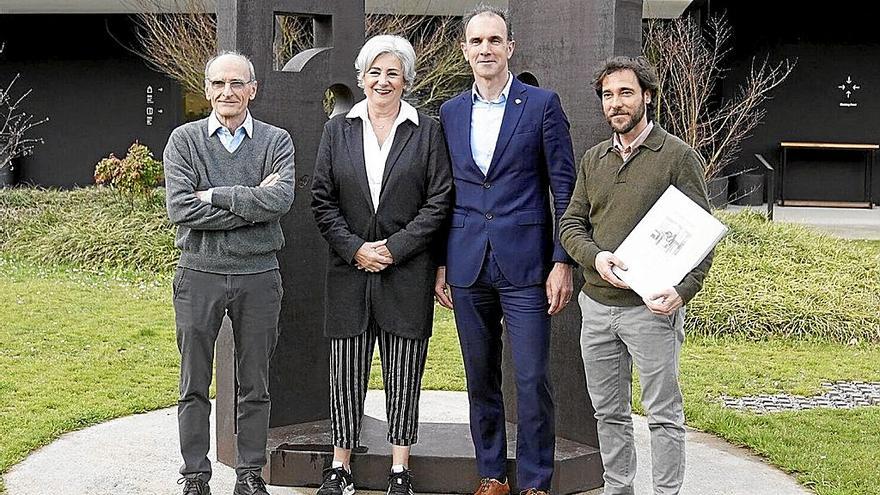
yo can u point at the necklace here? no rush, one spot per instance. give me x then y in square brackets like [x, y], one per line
[377, 125]
[375, 121]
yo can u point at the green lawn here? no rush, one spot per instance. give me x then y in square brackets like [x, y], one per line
[831, 451]
[444, 369]
[81, 348]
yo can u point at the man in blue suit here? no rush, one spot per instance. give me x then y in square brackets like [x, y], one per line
[510, 148]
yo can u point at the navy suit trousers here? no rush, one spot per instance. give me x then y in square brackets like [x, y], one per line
[479, 310]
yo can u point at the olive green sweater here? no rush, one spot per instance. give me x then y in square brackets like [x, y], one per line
[610, 197]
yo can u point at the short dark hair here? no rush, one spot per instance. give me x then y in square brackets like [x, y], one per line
[483, 8]
[643, 69]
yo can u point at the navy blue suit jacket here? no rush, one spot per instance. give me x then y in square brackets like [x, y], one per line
[510, 209]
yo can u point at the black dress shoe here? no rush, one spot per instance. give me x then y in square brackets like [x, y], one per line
[193, 485]
[250, 483]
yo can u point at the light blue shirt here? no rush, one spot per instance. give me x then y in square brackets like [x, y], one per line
[486, 118]
[231, 142]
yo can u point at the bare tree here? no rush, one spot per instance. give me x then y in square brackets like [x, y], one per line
[690, 63]
[178, 44]
[293, 34]
[15, 124]
[441, 70]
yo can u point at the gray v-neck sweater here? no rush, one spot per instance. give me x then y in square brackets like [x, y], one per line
[239, 231]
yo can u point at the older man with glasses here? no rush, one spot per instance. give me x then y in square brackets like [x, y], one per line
[229, 180]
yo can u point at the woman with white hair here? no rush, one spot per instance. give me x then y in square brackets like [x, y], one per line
[381, 192]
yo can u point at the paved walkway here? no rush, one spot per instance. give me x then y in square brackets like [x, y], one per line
[138, 455]
[849, 223]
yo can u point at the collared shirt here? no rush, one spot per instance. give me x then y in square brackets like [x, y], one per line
[627, 152]
[231, 142]
[375, 155]
[486, 118]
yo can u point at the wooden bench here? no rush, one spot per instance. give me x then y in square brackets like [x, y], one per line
[794, 146]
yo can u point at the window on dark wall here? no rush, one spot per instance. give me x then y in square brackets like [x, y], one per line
[294, 33]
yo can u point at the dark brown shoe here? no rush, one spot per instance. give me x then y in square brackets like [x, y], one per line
[533, 491]
[491, 486]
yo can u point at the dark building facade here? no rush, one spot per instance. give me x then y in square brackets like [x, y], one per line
[98, 95]
[832, 96]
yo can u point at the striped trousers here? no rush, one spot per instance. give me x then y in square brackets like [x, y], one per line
[403, 363]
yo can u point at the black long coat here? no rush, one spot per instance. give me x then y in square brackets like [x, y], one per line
[414, 204]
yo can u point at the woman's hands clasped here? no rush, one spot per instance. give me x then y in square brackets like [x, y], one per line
[373, 256]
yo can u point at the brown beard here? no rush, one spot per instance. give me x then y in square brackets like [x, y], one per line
[634, 120]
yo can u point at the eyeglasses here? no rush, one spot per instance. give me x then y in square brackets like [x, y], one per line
[235, 84]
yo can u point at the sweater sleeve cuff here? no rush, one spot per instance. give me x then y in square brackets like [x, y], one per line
[398, 248]
[586, 256]
[686, 291]
[221, 197]
[351, 248]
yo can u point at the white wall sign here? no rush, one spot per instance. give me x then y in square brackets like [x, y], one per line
[849, 87]
[152, 109]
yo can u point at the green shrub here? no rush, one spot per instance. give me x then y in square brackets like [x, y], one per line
[91, 228]
[134, 176]
[780, 280]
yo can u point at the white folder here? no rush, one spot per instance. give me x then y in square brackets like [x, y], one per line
[671, 240]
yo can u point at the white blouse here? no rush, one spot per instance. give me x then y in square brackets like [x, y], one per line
[375, 156]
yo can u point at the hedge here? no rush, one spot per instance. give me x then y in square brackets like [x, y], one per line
[768, 280]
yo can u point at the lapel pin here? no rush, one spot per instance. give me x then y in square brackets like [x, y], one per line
[517, 101]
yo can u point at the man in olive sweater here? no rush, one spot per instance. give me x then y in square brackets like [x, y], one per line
[618, 181]
[229, 179]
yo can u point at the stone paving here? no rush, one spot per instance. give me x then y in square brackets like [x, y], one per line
[139, 455]
[849, 223]
[838, 395]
